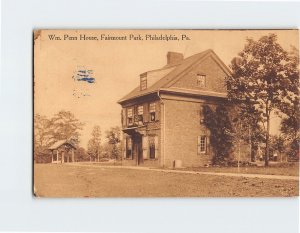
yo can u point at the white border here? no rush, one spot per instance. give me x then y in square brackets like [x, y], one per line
[19, 211]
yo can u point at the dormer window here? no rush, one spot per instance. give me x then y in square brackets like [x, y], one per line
[143, 82]
[201, 80]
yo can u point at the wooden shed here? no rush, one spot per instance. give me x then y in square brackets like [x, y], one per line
[62, 151]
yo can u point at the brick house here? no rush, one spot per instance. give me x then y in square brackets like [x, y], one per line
[162, 118]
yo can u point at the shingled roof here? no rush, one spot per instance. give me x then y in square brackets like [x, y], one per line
[59, 143]
[178, 70]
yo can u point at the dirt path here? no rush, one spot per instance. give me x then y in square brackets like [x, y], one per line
[263, 176]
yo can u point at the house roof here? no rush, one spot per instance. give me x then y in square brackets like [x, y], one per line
[59, 143]
[177, 90]
[179, 69]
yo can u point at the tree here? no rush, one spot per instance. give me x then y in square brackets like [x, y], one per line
[278, 144]
[113, 136]
[247, 124]
[221, 132]
[94, 144]
[289, 105]
[42, 134]
[259, 76]
[107, 150]
[290, 129]
[66, 127]
[80, 154]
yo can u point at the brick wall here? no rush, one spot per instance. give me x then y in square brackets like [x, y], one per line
[182, 130]
[181, 133]
[214, 77]
[183, 120]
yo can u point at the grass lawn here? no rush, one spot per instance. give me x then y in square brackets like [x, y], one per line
[286, 169]
[59, 180]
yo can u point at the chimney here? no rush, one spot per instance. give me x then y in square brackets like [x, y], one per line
[173, 58]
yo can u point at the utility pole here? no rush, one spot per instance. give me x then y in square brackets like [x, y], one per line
[250, 144]
[239, 153]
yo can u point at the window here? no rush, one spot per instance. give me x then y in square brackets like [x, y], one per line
[152, 111]
[143, 82]
[129, 116]
[201, 79]
[152, 147]
[140, 111]
[201, 145]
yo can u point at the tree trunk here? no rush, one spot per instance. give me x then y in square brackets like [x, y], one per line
[267, 138]
[252, 156]
[73, 156]
[253, 153]
[280, 154]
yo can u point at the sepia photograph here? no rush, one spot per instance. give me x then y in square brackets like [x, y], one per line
[166, 113]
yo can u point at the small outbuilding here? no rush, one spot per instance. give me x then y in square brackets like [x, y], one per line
[62, 151]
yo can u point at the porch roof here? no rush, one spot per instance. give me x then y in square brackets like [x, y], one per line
[133, 130]
[60, 143]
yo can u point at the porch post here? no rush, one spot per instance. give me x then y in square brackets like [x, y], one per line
[73, 157]
[62, 157]
[57, 156]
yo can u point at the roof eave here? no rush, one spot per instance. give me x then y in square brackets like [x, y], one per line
[136, 97]
[203, 94]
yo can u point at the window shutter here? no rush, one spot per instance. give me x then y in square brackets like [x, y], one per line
[124, 120]
[156, 143]
[146, 113]
[145, 145]
[135, 111]
[207, 145]
[157, 111]
[122, 117]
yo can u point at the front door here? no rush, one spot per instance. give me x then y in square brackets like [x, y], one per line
[137, 148]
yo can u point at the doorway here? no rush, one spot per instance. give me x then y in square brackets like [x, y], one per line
[137, 149]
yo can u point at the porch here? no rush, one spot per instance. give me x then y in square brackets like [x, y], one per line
[62, 151]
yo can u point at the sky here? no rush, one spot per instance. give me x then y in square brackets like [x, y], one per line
[88, 76]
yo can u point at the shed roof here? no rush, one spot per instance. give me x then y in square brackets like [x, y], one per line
[59, 143]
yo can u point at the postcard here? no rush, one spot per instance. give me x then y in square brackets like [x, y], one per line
[166, 113]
